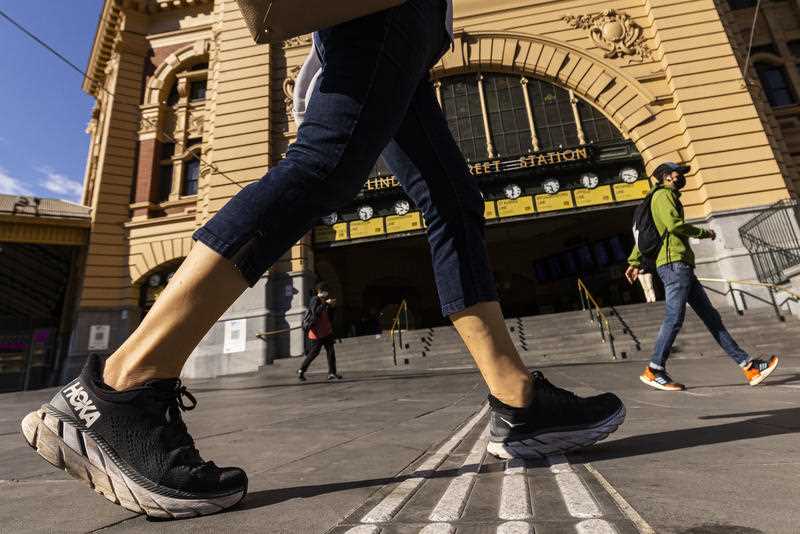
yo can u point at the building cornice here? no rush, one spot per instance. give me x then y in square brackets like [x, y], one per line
[108, 27]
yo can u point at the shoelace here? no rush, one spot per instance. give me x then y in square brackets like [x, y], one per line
[176, 435]
[541, 384]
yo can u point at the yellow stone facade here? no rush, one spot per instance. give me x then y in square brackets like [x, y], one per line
[667, 74]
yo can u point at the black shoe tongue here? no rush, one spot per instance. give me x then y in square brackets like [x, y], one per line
[164, 385]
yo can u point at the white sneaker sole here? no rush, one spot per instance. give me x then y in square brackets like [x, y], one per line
[656, 385]
[764, 374]
[544, 445]
[71, 449]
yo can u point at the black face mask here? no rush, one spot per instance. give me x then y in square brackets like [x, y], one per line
[680, 182]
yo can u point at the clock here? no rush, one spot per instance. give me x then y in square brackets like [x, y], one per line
[551, 186]
[401, 207]
[512, 191]
[365, 213]
[590, 180]
[331, 219]
[629, 175]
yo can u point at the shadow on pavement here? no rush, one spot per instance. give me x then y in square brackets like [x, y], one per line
[758, 425]
[771, 381]
[258, 499]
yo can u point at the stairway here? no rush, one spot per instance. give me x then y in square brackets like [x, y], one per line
[570, 338]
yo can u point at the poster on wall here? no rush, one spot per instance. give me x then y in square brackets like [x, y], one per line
[99, 335]
[235, 336]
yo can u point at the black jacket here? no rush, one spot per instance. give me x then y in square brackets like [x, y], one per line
[315, 309]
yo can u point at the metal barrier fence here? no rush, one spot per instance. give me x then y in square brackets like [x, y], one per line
[773, 239]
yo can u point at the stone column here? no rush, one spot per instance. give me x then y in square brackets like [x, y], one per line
[106, 296]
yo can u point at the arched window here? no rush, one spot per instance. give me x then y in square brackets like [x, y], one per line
[775, 81]
[191, 175]
[520, 114]
[462, 106]
[553, 116]
[508, 118]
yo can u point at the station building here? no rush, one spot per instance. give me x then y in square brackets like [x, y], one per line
[562, 109]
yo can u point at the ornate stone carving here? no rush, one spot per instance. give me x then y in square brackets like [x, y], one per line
[288, 88]
[614, 32]
[300, 40]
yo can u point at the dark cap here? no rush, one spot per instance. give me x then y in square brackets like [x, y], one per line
[670, 167]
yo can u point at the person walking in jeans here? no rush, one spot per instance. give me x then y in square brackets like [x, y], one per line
[675, 267]
[320, 333]
[373, 95]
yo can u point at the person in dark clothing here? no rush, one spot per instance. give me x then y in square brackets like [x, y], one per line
[318, 322]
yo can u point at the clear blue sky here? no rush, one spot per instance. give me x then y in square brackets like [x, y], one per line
[43, 110]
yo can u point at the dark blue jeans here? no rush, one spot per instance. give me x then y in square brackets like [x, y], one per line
[374, 94]
[682, 287]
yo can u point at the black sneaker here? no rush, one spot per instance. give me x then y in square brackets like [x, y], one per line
[556, 421]
[301, 376]
[132, 446]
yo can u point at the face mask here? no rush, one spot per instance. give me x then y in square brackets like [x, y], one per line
[680, 182]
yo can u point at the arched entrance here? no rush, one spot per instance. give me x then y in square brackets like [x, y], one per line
[559, 181]
[151, 285]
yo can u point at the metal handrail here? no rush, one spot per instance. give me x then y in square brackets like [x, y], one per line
[587, 301]
[771, 288]
[398, 329]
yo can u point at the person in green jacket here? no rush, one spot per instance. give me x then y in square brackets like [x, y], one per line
[675, 267]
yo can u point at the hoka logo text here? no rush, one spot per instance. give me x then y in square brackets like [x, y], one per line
[80, 401]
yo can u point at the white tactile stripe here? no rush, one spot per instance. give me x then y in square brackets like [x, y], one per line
[385, 510]
[579, 501]
[364, 529]
[451, 504]
[595, 526]
[438, 528]
[514, 527]
[624, 505]
[514, 495]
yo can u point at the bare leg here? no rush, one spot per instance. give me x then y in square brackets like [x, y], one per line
[485, 334]
[204, 286]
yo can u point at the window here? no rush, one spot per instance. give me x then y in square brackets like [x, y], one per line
[197, 90]
[741, 4]
[765, 49]
[164, 181]
[776, 84]
[596, 128]
[173, 97]
[462, 106]
[552, 115]
[166, 151]
[508, 119]
[191, 174]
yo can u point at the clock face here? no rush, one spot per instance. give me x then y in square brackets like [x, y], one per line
[401, 207]
[551, 186]
[629, 175]
[590, 180]
[512, 191]
[331, 219]
[365, 213]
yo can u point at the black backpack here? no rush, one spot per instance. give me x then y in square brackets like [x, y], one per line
[645, 232]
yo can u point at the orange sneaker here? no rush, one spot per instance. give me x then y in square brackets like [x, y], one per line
[757, 370]
[660, 380]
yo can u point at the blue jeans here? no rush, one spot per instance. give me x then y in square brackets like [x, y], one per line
[374, 93]
[682, 287]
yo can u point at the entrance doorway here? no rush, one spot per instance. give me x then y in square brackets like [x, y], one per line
[536, 264]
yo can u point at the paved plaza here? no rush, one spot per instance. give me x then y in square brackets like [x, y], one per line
[403, 451]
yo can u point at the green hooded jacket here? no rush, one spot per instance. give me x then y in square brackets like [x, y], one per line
[668, 215]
